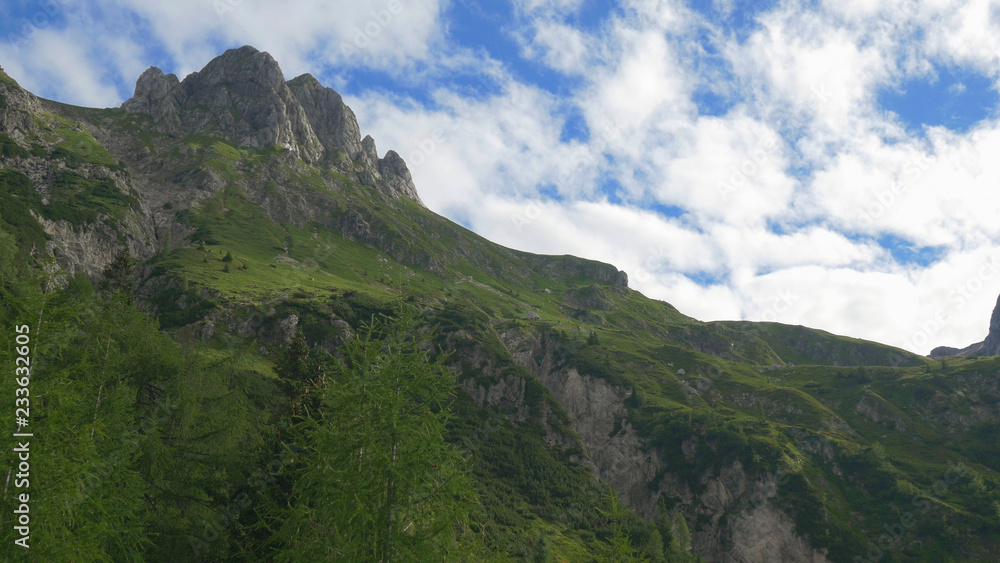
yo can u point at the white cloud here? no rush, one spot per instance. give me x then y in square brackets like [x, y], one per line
[729, 169]
[645, 88]
[52, 63]
[562, 47]
[966, 33]
[724, 7]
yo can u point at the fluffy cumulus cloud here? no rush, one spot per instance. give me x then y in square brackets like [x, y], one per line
[563, 47]
[779, 163]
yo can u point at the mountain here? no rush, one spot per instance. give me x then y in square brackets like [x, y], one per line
[988, 347]
[200, 265]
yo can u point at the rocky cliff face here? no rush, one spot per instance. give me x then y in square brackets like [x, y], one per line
[569, 266]
[241, 97]
[64, 165]
[156, 96]
[991, 346]
[742, 523]
[335, 124]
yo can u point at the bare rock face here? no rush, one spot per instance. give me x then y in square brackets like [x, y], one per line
[156, 95]
[597, 410]
[334, 123]
[397, 176]
[571, 266]
[286, 329]
[764, 533]
[741, 522]
[991, 346]
[368, 151]
[242, 95]
[90, 248]
[508, 393]
[16, 108]
[29, 122]
[619, 457]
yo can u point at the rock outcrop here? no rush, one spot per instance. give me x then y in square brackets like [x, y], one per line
[991, 346]
[397, 176]
[156, 95]
[334, 123]
[571, 266]
[988, 347]
[241, 96]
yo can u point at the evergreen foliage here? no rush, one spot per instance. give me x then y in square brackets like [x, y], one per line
[379, 482]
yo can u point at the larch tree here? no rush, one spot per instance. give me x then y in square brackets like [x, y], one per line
[379, 482]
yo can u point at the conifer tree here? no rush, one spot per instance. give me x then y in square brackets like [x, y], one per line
[118, 274]
[619, 548]
[592, 339]
[380, 483]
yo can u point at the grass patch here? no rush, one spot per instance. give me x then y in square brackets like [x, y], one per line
[9, 147]
[74, 143]
[81, 200]
[17, 199]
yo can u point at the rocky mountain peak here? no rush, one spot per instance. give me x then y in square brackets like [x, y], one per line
[991, 346]
[396, 175]
[242, 67]
[369, 150]
[155, 94]
[242, 96]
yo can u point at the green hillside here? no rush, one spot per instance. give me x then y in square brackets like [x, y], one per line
[218, 329]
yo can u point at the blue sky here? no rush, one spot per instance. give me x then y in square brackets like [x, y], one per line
[722, 152]
[955, 98]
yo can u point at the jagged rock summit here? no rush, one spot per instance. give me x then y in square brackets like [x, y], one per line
[988, 347]
[242, 96]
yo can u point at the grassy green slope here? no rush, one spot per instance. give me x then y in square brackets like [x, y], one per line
[859, 433]
[739, 390]
[763, 394]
